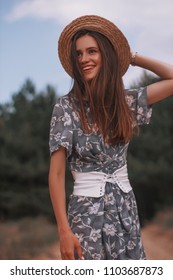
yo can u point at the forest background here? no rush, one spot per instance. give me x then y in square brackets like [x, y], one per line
[24, 164]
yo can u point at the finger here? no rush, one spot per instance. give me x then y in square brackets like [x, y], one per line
[79, 251]
[70, 256]
[63, 257]
[67, 256]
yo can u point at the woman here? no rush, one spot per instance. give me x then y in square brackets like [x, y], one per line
[91, 127]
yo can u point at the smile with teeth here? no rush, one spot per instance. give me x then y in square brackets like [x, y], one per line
[88, 68]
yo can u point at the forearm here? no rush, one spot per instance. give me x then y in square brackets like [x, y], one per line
[57, 188]
[160, 90]
[58, 199]
[162, 69]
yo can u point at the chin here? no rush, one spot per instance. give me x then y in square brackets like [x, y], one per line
[89, 78]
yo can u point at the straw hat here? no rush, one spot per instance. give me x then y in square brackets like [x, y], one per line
[101, 25]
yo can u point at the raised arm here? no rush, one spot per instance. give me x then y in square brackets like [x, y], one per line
[68, 241]
[159, 90]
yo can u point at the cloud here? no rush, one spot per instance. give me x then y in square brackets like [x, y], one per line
[147, 24]
[125, 11]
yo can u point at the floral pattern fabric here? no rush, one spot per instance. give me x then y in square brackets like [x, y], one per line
[107, 227]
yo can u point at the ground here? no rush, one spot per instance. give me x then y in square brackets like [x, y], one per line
[36, 238]
[158, 244]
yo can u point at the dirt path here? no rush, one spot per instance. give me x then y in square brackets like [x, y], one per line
[158, 244]
[51, 253]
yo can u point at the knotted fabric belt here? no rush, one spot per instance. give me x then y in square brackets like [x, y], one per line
[93, 183]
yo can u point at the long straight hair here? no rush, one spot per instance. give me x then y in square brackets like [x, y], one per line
[110, 112]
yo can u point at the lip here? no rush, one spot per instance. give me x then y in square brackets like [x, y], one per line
[88, 68]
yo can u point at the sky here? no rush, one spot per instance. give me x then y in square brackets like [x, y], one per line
[29, 31]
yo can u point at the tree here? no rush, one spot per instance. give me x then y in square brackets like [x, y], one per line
[151, 158]
[24, 155]
[24, 152]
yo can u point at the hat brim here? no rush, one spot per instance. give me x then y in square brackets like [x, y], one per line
[101, 25]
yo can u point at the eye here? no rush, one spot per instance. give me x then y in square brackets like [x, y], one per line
[79, 54]
[92, 51]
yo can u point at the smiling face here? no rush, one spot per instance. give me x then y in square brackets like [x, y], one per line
[89, 56]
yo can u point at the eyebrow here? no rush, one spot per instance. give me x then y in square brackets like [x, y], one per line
[88, 48]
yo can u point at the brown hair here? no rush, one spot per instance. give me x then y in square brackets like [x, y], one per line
[110, 112]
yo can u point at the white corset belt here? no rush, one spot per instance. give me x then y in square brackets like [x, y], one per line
[93, 183]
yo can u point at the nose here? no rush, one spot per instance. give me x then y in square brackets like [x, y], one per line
[84, 58]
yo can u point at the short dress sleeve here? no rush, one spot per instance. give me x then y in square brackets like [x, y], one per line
[137, 101]
[61, 132]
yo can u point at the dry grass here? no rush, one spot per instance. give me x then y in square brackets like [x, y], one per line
[158, 236]
[164, 218]
[36, 238]
[26, 238]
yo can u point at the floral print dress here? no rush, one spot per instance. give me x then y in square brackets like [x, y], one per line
[107, 226]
